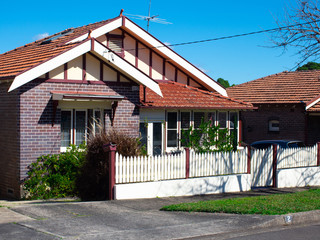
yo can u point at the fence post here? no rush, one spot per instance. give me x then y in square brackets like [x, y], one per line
[111, 149]
[318, 153]
[274, 165]
[187, 162]
[249, 159]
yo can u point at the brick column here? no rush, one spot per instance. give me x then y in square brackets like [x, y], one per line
[111, 149]
[318, 153]
[274, 165]
[187, 162]
[249, 160]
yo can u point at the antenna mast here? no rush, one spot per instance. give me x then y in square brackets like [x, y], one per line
[149, 18]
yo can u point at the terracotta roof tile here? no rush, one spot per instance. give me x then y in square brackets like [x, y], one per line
[29, 55]
[177, 95]
[285, 87]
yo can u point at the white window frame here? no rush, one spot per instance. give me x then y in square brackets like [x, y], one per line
[169, 149]
[73, 134]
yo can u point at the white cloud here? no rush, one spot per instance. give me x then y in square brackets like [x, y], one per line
[40, 36]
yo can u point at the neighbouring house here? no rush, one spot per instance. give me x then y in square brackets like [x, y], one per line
[54, 91]
[288, 107]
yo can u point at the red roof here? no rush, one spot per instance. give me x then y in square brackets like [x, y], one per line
[29, 55]
[177, 95]
[285, 87]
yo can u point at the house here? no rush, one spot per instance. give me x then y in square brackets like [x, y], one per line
[53, 91]
[288, 107]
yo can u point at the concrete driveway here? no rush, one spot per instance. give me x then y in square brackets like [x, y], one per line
[125, 219]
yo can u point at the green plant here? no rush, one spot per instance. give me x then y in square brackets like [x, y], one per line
[208, 138]
[54, 176]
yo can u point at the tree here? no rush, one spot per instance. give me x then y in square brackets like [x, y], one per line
[309, 66]
[224, 83]
[300, 29]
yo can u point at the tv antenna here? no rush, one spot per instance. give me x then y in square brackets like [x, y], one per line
[149, 18]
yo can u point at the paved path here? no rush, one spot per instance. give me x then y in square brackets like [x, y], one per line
[129, 219]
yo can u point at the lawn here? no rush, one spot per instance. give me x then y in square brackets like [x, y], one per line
[266, 205]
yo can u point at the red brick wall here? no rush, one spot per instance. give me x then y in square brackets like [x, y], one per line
[38, 136]
[291, 119]
[9, 143]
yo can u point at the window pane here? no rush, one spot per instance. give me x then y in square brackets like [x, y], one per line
[172, 138]
[65, 128]
[143, 135]
[233, 120]
[185, 139]
[157, 139]
[198, 116]
[212, 117]
[172, 120]
[222, 119]
[185, 120]
[97, 121]
[80, 127]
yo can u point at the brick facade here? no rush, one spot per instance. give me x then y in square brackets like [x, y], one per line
[9, 139]
[38, 135]
[291, 119]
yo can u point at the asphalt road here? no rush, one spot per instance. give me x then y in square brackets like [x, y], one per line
[135, 219]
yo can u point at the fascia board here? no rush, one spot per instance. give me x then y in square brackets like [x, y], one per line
[132, 71]
[313, 102]
[50, 64]
[175, 57]
[108, 27]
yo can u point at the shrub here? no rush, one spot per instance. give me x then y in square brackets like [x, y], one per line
[93, 181]
[54, 176]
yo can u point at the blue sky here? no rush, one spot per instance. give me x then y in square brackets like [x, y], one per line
[237, 60]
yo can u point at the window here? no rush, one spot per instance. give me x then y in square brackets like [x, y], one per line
[233, 120]
[212, 117]
[222, 119]
[115, 43]
[172, 139]
[198, 117]
[77, 124]
[185, 124]
[274, 126]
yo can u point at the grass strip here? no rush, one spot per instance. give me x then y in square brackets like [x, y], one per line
[276, 204]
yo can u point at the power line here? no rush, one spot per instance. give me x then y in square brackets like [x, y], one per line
[234, 36]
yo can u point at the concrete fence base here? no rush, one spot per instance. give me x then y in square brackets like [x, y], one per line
[184, 187]
[298, 177]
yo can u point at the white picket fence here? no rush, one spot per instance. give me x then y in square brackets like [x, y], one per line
[166, 167]
[218, 163]
[151, 168]
[297, 157]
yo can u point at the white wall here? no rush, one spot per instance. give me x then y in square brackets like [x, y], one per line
[184, 187]
[298, 177]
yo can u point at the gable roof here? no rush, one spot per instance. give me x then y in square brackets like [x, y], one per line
[284, 87]
[177, 95]
[24, 59]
